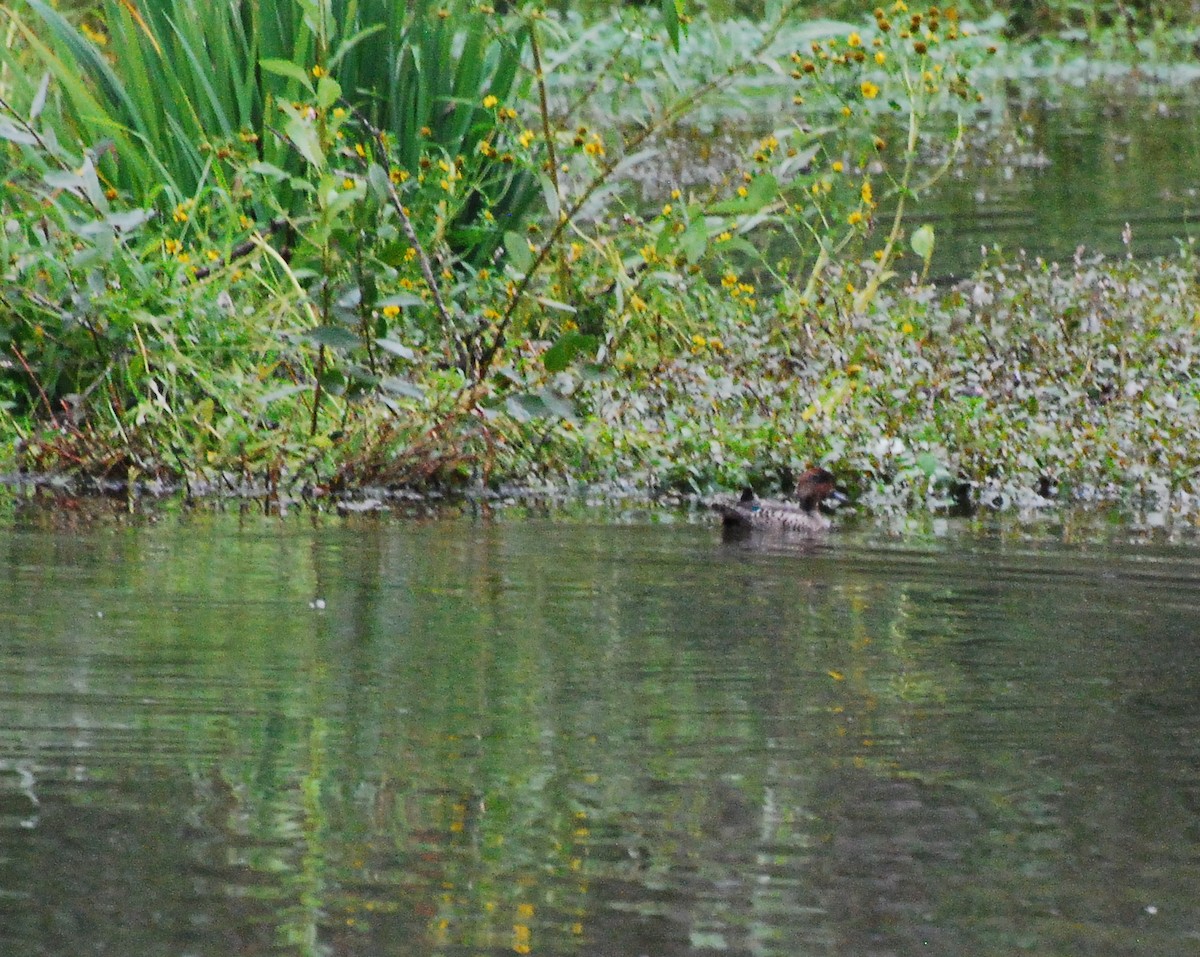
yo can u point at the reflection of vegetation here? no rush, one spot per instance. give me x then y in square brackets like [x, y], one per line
[510, 736]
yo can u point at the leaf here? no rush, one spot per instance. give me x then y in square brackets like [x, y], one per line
[306, 139]
[329, 91]
[293, 71]
[569, 345]
[670, 15]
[335, 337]
[39, 98]
[15, 134]
[694, 240]
[395, 348]
[395, 385]
[284, 393]
[404, 300]
[923, 242]
[526, 406]
[517, 248]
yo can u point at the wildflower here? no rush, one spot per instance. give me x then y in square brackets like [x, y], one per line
[725, 236]
[637, 303]
[173, 247]
[869, 89]
[398, 175]
[317, 71]
[868, 196]
[526, 138]
[743, 192]
[880, 57]
[675, 194]
[854, 40]
[180, 215]
[360, 150]
[838, 166]
[391, 311]
[666, 210]
[846, 111]
[110, 193]
[339, 113]
[648, 254]
[854, 218]
[212, 255]
[921, 47]
[426, 131]
[96, 36]
[907, 328]
[595, 147]
[729, 280]
[347, 183]
[899, 7]
[508, 113]
[248, 136]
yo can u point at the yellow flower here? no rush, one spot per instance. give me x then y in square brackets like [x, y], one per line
[854, 40]
[347, 183]
[907, 328]
[398, 175]
[854, 218]
[391, 311]
[317, 71]
[880, 57]
[426, 131]
[489, 101]
[666, 210]
[637, 303]
[846, 111]
[360, 150]
[96, 36]
[869, 89]
[867, 196]
[526, 138]
[743, 192]
[675, 194]
[725, 236]
[838, 166]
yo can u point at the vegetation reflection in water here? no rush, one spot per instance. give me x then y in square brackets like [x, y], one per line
[587, 739]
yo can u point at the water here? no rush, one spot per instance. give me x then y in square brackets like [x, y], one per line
[519, 736]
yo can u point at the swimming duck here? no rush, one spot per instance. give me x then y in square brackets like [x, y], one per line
[813, 487]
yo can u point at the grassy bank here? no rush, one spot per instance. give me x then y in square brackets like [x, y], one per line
[403, 253]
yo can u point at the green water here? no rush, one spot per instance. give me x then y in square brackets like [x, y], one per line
[519, 736]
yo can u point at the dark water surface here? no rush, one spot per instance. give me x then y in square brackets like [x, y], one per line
[609, 739]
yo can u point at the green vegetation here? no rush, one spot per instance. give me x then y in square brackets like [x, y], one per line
[398, 244]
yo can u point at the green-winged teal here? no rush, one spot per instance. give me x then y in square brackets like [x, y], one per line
[813, 487]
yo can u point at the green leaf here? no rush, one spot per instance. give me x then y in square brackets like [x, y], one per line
[293, 71]
[569, 345]
[328, 92]
[395, 385]
[404, 300]
[517, 247]
[395, 348]
[306, 139]
[694, 240]
[335, 337]
[923, 242]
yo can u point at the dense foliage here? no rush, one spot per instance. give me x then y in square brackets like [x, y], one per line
[400, 246]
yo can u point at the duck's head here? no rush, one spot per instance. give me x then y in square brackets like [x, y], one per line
[814, 486]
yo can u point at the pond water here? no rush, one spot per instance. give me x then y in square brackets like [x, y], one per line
[223, 735]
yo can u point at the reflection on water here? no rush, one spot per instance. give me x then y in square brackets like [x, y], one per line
[518, 736]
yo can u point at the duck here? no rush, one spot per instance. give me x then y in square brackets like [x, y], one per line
[813, 486]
